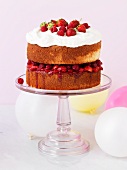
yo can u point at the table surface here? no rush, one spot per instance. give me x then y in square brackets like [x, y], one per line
[18, 152]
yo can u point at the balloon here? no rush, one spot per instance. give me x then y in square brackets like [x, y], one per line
[88, 103]
[118, 98]
[111, 131]
[36, 114]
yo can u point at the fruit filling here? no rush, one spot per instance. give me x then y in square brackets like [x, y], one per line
[64, 68]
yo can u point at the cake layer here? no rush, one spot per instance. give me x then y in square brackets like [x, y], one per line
[65, 81]
[47, 38]
[63, 55]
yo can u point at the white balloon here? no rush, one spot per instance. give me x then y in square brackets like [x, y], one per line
[36, 114]
[111, 131]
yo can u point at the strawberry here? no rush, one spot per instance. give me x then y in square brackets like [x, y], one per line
[86, 25]
[60, 33]
[81, 28]
[69, 26]
[54, 29]
[62, 22]
[53, 21]
[43, 24]
[73, 24]
[70, 32]
[63, 28]
[44, 28]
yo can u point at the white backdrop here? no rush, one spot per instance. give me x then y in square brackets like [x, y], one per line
[19, 17]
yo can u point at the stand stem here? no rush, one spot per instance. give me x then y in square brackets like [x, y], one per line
[63, 114]
[63, 141]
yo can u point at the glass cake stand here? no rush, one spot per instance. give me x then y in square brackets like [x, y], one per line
[64, 141]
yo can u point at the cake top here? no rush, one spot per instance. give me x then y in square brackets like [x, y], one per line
[63, 33]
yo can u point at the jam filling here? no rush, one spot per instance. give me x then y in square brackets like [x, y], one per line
[64, 68]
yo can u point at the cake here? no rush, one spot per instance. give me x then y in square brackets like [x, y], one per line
[63, 56]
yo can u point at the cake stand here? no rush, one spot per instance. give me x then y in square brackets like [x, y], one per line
[64, 141]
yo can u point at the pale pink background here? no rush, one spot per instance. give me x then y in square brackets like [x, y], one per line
[19, 17]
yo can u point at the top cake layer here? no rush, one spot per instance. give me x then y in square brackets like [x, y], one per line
[47, 39]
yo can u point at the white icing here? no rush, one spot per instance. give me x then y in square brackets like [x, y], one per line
[46, 39]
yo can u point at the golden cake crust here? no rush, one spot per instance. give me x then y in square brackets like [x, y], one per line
[63, 55]
[43, 80]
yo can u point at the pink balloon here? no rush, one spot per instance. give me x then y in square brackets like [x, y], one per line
[118, 98]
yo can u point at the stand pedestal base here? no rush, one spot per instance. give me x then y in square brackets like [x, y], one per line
[63, 143]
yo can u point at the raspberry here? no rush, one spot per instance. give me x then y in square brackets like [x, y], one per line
[20, 81]
[88, 68]
[62, 69]
[75, 67]
[33, 68]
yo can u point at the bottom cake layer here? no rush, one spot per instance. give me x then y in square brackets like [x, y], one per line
[65, 81]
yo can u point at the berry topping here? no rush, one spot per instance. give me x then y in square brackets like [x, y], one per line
[81, 28]
[44, 28]
[96, 69]
[20, 81]
[62, 22]
[62, 69]
[33, 68]
[86, 25]
[101, 68]
[69, 28]
[55, 67]
[29, 65]
[41, 66]
[94, 64]
[60, 33]
[50, 73]
[29, 62]
[81, 70]
[75, 67]
[70, 32]
[63, 28]
[70, 71]
[98, 62]
[48, 66]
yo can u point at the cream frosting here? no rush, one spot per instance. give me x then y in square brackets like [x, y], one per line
[47, 39]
